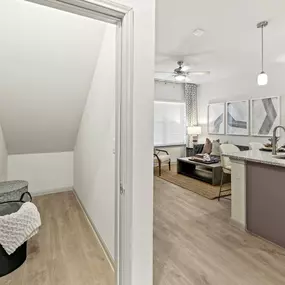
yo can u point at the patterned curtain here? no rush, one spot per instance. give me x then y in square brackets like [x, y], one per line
[191, 104]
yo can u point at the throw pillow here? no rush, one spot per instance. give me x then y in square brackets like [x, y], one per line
[207, 146]
[216, 148]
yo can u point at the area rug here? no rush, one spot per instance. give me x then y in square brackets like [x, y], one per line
[204, 189]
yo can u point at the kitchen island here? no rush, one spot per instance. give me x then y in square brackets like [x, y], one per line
[258, 193]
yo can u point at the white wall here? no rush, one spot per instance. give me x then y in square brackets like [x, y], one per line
[45, 172]
[242, 87]
[94, 161]
[47, 60]
[3, 157]
[168, 91]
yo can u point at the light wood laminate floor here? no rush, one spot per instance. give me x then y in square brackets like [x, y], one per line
[65, 252]
[194, 244]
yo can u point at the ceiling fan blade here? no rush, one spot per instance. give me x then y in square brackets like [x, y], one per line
[198, 72]
[164, 72]
[164, 76]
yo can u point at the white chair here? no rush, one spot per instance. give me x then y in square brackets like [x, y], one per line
[226, 163]
[161, 156]
[255, 145]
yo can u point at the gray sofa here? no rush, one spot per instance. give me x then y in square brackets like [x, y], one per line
[198, 148]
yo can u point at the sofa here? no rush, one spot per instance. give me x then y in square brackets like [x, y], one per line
[198, 148]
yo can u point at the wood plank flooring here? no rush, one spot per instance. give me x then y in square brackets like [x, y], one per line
[194, 244]
[65, 252]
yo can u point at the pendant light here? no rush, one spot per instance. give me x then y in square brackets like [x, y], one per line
[262, 78]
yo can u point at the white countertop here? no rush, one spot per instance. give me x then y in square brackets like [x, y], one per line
[258, 156]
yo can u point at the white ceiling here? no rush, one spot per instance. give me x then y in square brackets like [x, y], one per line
[231, 43]
[47, 60]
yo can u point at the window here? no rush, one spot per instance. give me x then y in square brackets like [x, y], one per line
[169, 123]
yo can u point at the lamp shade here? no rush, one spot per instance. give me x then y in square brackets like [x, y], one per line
[195, 130]
[262, 79]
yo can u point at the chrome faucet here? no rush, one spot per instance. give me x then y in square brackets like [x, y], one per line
[274, 139]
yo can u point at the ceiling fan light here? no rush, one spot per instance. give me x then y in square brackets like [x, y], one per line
[200, 72]
[185, 68]
[179, 77]
[262, 79]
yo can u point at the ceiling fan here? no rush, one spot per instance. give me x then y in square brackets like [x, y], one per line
[181, 72]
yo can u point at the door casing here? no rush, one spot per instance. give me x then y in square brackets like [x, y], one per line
[123, 17]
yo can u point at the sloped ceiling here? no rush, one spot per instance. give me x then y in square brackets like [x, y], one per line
[231, 43]
[47, 61]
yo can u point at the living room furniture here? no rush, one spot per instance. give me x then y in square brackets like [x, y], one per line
[193, 133]
[189, 151]
[209, 173]
[203, 172]
[160, 157]
[226, 163]
[198, 148]
[255, 145]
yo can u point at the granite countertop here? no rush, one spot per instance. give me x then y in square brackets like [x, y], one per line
[258, 156]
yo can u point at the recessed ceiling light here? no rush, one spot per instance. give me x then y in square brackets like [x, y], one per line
[198, 32]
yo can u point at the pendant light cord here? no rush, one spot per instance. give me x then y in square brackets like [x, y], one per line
[262, 48]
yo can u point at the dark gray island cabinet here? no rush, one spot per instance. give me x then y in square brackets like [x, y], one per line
[258, 194]
[265, 206]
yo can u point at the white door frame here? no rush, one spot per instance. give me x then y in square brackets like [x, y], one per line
[123, 17]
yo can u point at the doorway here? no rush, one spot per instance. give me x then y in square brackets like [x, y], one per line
[120, 16]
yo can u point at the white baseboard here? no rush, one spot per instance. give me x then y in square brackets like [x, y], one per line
[237, 224]
[51, 191]
[96, 233]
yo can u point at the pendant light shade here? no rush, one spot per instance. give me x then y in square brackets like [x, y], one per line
[262, 78]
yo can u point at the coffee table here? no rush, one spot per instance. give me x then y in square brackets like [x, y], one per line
[209, 173]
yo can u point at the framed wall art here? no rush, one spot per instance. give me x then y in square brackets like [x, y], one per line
[265, 115]
[237, 113]
[216, 118]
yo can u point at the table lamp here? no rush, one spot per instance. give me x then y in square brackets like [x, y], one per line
[193, 132]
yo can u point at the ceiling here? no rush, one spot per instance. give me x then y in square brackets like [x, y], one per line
[47, 61]
[231, 43]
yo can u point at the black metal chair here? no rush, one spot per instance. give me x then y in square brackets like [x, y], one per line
[161, 156]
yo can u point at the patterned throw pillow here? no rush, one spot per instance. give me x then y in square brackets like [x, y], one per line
[216, 148]
[207, 146]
